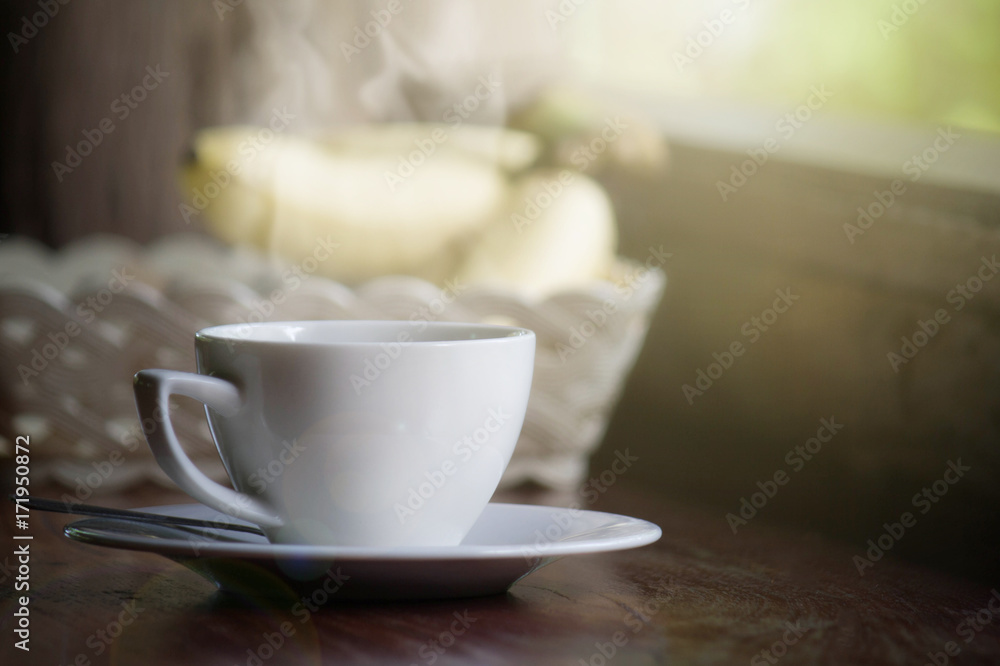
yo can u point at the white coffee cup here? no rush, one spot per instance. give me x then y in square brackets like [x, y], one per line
[354, 433]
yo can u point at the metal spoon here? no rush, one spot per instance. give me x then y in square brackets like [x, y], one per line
[43, 504]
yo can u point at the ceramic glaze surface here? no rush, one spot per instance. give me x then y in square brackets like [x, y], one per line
[353, 433]
[501, 548]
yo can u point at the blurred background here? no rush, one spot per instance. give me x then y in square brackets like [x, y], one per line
[824, 178]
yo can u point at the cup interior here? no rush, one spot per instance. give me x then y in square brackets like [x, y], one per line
[359, 332]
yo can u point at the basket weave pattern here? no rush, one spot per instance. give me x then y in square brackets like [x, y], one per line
[78, 404]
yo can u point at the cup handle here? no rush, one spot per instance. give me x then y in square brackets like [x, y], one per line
[153, 389]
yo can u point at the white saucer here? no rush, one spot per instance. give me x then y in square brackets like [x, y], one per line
[508, 542]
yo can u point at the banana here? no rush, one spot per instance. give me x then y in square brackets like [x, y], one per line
[418, 199]
[558, 233]
[285, 194]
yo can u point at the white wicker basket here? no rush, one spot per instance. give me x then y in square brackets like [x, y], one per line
[66, 369]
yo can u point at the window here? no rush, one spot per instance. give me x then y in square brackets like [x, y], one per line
[922, 61]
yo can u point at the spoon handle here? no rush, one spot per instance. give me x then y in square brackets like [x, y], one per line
[43, 504]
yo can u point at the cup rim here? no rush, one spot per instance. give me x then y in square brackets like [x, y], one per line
[239, 333]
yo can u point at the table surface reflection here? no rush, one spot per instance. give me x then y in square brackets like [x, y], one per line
[700, 595]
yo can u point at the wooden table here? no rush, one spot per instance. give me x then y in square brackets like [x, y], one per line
[699, 596]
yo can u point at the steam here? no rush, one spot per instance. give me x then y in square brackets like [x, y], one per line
[308, 55]
[431, 62]
[283, 65]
